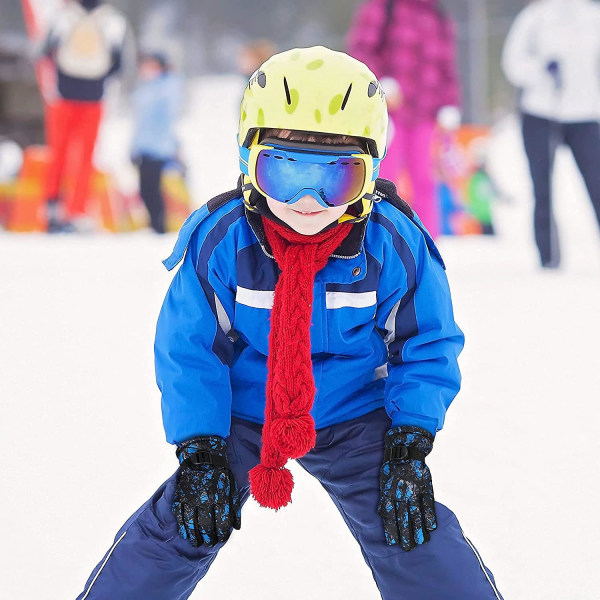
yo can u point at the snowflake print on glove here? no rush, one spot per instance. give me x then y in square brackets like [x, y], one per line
[206, 503]
[406, 504]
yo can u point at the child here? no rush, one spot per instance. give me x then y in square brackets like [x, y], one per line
[314, 282]
[156, 103]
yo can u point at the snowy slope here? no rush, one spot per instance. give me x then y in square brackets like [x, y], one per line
[81, 441]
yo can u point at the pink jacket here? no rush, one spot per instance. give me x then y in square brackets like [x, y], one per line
[412, 41]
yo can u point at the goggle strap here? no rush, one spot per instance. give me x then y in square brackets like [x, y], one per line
[351, 219]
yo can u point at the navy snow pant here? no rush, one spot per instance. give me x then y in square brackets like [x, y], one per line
[150, 190]
[149, 561]
[541, 138]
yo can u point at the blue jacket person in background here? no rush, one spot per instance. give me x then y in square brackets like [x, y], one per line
[310, 318]
[156, 102]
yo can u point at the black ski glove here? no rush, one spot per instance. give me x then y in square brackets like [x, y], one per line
[553, 67]
[406, 503]
[206, 503]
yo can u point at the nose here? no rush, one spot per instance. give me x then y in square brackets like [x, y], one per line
[307, 204]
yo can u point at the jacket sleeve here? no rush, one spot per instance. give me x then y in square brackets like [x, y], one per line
[415, 315]
[521, 63]
[173, 99]
[116, 31]
[193, 353]
[47, 46]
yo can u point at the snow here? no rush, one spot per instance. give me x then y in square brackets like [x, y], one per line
[81, 439]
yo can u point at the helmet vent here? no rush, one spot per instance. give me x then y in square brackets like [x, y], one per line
[287, 91]
[372, 88]
[346, 96]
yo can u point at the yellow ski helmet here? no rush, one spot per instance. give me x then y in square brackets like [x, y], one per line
[316, 90]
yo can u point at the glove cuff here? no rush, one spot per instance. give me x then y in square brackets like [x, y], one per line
[416, 439]
[208, 446]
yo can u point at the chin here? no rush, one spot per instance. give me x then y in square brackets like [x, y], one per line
[308, 229]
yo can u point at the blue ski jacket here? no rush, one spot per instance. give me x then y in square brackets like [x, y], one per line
[382, 332]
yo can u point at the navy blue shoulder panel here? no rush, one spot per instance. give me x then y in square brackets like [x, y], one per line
[386, 190]
[222, 199]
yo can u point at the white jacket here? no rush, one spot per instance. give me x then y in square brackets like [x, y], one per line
[88, 58]
[565, 31]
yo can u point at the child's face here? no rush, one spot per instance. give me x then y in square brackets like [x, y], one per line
[149, 69]
[306, 216]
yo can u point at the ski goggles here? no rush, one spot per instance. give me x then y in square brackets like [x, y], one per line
[287, 171]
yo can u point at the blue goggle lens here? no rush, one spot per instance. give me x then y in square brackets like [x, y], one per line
[337, 181]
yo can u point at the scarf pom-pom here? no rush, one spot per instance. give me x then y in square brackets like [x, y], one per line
[270, 486]
[294, 436]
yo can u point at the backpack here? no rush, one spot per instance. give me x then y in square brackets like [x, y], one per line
[83, 50]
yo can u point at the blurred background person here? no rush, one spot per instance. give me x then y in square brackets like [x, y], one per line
[410, 45]
[552, 53]
[253, 54]
[156, 103]
[85, 44]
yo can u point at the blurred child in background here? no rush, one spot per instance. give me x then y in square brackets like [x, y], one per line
[157, 102]
[410, 45]
[85, 44]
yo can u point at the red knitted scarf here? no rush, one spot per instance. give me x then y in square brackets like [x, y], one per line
[289, 429]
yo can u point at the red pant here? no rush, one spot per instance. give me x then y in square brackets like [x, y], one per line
[72, 132]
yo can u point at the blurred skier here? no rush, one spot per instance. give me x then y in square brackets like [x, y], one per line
[410, 45]
[157, 104]
[85, 44]
[552, 53]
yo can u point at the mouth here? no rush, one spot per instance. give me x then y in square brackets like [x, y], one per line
[307, 213]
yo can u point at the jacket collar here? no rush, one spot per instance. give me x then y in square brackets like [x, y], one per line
[351, 246]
